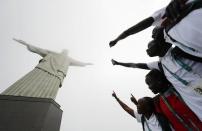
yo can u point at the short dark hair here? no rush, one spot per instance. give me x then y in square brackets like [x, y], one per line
[157, 33]
[157, 75]
[150, 103]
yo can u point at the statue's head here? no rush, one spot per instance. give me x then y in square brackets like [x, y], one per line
[65, 51]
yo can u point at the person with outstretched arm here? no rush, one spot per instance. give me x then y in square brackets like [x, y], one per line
[145, 114]
[161, 17]
[171, 104]
[184, 74]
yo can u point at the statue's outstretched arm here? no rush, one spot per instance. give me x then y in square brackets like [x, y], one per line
[74, 62]
[37, 50]
[133, 30]
[132, 65]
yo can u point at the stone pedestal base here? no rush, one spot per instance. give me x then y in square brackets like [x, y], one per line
[19, 113]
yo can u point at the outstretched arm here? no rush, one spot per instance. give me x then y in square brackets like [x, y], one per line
[124, 106]
[132, 65]
[74, 62]
[133, 30]
[41, 52]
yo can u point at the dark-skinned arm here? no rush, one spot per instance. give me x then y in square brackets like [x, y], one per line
[132, 65]
[133, 30]
[133, 99]
[124, 106]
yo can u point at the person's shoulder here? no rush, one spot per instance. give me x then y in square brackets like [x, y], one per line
[158, 13]
[137, 116]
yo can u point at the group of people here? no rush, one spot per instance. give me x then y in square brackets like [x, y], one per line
[176, 78]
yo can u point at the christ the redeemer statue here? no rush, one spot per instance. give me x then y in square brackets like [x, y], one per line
[47, 77]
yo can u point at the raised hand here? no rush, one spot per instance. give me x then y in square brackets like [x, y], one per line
[112, 43]
[114, 62]
[114, 95]
[133, 99]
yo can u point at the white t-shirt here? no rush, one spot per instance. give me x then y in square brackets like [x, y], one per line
[191, 98]
[187, 33]
[153, 123]
[157, 16]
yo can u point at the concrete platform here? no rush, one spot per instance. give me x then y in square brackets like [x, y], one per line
[18, 113]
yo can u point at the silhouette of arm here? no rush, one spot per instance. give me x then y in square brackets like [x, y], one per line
[124, 106]
[134, 29]
[132, 65]
[37, 50]
[133, 99]
[74, 62]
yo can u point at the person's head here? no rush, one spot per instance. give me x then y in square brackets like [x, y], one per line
[157, 33]
[157, 81]
[152, 48]
[145, 105]
[158, 46]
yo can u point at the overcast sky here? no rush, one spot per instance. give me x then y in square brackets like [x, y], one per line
[84, 27]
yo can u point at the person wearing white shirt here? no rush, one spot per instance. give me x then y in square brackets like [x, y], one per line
[145, 114]
[185, 33]
[184, 74]
[159, 18]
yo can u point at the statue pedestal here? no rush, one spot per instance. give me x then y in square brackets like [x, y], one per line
[18, 113]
